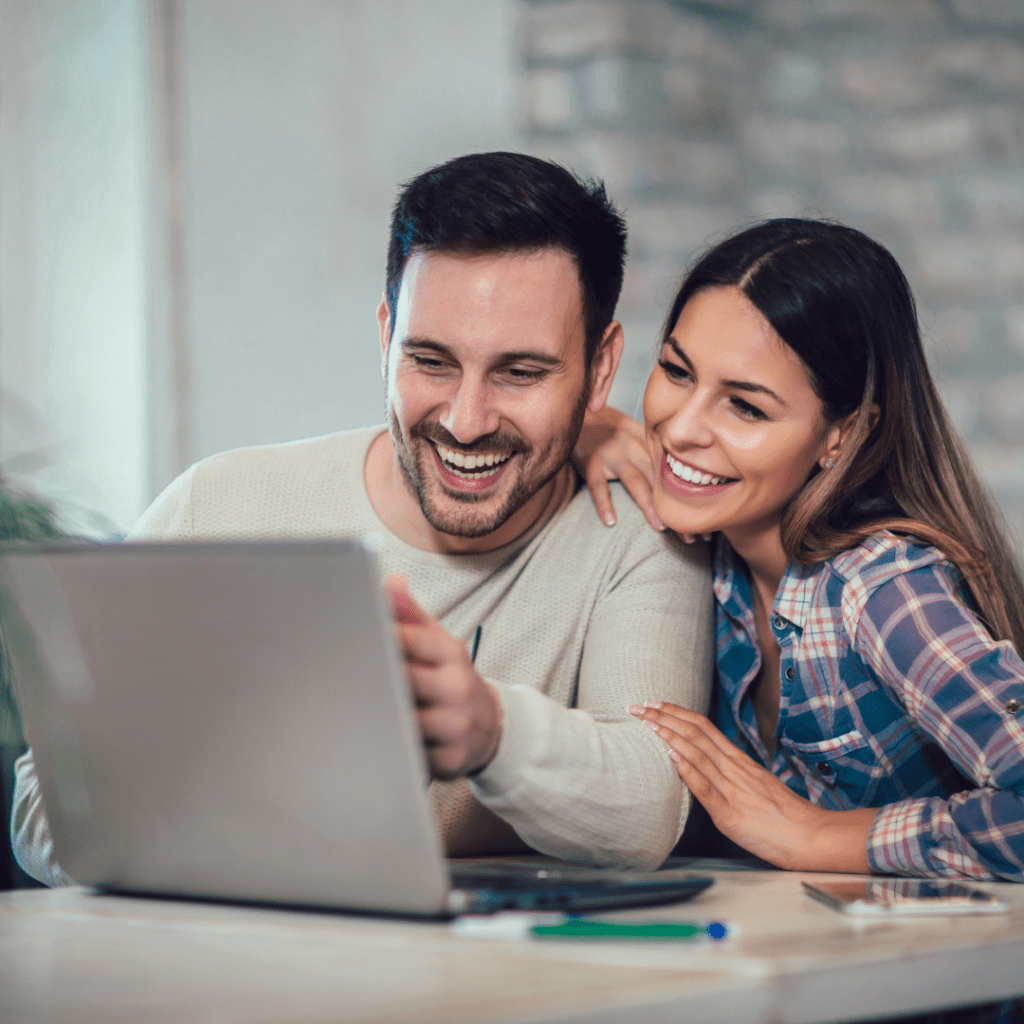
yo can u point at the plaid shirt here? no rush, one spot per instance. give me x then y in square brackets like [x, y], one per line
[893, 696]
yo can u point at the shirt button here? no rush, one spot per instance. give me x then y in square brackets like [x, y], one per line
[1012, 705]
[779, 622]
[789, 672]
[825, 770]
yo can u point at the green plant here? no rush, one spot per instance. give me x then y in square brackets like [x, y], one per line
[22, 519]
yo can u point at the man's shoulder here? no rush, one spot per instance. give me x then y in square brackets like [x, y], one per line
[314, 456]
[305, 488]
[632, 539]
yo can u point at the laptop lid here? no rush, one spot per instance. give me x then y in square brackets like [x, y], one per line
[227, 720]
[232, 720]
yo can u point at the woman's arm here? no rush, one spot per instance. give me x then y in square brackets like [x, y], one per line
[966, 692]
[753, 807]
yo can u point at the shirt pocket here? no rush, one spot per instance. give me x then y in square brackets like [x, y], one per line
[841, 772]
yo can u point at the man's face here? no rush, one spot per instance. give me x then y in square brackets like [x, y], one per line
[486, 383]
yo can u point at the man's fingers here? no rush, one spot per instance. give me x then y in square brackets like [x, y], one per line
[430, 645]
[403, 606]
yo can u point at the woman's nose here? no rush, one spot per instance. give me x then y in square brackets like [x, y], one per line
[690, 424]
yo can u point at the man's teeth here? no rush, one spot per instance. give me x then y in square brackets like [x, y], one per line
[693, 476]
[456, 461]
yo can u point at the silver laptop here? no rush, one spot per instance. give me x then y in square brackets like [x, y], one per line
[232, 721]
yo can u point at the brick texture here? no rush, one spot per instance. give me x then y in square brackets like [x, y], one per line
[904, 118]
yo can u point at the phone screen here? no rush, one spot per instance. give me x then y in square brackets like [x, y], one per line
[884, 896]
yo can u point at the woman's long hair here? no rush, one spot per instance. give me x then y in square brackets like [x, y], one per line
[841, 302]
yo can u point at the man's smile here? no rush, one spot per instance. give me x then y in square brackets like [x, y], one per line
[464, 465]
[477, 471]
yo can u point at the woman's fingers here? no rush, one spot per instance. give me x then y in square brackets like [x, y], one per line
[669, 714]
[698, 753]
[641, 491]
[601, 494]
[611, 446]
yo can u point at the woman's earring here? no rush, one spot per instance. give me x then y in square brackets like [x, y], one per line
[829, 462]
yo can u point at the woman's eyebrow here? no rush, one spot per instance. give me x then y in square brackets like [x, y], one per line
[738, 385]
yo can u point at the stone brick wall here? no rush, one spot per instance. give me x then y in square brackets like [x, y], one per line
[904, 118]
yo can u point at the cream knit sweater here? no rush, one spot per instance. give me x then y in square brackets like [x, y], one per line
[578, 621]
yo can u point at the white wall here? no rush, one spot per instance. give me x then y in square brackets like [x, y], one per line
[303, 117]
[72, 253]
[297, 120]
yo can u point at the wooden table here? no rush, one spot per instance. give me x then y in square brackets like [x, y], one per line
[74, 955]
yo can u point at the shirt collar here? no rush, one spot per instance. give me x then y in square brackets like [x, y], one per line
[793, 600]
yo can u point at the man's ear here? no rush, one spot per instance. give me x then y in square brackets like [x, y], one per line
[604, 364]
[384, 326]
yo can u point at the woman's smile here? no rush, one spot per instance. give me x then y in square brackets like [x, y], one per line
[693, 474]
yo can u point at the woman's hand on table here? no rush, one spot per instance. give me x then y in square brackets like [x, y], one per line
[750, 805]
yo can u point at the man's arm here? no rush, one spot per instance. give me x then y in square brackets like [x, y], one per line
[30, 830]
[587, 782]
[590, 783]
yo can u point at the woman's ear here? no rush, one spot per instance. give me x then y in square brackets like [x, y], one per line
[838, 434]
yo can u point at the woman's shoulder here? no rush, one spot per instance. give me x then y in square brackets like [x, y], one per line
[888, 558]
[883, 555]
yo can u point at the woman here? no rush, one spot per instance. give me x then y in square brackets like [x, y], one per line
[869, 704]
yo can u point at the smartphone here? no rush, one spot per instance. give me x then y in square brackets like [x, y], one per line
[884, 897]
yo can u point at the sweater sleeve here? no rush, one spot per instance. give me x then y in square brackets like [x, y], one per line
[589, 783]
[966, 691]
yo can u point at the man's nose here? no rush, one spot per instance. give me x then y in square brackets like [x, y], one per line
[471, 413]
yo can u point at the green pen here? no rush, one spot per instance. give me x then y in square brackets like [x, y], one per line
[591, 928]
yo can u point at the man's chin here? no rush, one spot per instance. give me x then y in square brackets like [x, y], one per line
[466, 519]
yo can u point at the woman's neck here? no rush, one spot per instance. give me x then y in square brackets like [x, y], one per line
[766, 560]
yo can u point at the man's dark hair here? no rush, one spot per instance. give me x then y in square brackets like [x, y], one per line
[509, 202]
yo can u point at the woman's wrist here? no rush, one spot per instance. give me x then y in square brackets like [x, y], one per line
[837, 841]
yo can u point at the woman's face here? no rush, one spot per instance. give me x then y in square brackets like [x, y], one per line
[734, 427]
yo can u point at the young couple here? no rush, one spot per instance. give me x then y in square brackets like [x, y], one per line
[868, 706]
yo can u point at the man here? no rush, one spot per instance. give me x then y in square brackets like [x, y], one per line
[497, 337]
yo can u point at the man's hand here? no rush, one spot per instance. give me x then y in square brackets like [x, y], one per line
[459, 714]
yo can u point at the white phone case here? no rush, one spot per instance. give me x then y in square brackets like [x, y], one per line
[886, 897]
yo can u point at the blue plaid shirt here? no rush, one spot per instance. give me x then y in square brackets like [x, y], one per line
[893, 696]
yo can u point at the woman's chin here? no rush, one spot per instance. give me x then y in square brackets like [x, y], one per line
[686, 525]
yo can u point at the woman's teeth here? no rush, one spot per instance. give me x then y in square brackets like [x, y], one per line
[463, 465]
[693, 476]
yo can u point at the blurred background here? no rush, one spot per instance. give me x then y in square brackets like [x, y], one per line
[194, 195]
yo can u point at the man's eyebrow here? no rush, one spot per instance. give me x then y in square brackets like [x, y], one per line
[519, 355]
[427, 343]
[737, 385]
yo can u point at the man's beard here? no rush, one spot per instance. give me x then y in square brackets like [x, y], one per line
[463, 520]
